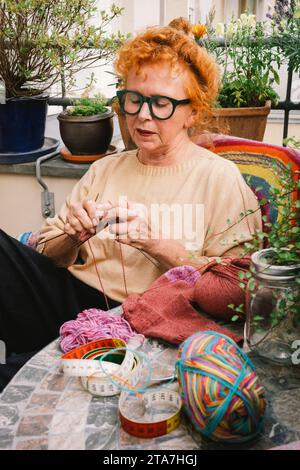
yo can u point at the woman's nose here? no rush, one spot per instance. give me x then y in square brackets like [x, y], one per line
[145, 112]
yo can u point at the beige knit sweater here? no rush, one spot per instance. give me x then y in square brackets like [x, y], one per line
[208, 195]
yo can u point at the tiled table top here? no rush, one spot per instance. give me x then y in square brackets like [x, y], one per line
[43, 409]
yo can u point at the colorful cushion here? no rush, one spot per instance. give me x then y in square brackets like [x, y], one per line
[255, 160]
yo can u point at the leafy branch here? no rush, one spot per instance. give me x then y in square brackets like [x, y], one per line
[41, 39]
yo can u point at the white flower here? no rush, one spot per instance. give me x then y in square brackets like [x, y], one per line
[247, 20]
[220, 29]
[231, 29]
[244, 19]
[268, 27]
[252, 20]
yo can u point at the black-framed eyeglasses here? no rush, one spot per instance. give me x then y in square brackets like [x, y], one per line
[161, 107]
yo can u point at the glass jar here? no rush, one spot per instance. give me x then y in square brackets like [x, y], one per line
[268, 296]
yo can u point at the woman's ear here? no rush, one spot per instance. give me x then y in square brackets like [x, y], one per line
[190, 120]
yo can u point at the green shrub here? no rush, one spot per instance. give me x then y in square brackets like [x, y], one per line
[88, 107]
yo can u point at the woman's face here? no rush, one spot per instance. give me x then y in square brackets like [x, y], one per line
[148, 132]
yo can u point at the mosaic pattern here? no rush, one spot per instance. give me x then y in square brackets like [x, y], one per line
[42, 409]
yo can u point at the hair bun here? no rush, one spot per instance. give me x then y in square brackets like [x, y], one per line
[181, 24]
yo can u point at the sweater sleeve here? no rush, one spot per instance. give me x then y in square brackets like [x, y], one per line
[228, 226]
[83, 189]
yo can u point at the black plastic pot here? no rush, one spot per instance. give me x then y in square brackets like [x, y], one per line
[22, 124]
[86, 135]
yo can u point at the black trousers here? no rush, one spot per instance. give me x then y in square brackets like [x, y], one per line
[36, 298]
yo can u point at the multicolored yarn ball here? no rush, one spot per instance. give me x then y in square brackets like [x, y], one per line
[221, 393]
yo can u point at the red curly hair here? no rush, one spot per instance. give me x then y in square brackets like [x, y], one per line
[175, 44]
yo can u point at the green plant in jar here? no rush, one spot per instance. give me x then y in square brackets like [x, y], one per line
[272, 285]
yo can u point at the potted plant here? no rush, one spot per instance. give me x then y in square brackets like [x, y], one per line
[86, 128]
[247, 59]
[272, 285]
[41, 41]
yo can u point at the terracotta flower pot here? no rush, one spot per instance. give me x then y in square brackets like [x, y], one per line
[127, 140]
[249, 123]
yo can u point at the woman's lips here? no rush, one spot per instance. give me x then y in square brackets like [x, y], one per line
[145, 133]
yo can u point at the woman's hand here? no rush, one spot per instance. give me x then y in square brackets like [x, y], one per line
[83, 218]
[81, 222]
[132, 225]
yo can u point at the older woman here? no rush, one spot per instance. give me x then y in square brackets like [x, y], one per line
[168, 203]
[169, 84]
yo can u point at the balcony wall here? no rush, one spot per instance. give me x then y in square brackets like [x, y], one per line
[20, 208]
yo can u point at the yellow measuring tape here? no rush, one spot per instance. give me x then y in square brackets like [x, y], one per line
[121, 367]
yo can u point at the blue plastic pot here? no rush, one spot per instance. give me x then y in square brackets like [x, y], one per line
[22, 124]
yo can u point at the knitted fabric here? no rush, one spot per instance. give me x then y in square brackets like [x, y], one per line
[186, 273]
[219, 286]
[165, 312]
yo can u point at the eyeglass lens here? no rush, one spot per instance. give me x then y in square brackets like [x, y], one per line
[162, 107]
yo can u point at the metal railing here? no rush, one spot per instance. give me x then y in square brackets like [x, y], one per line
[287, 105]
